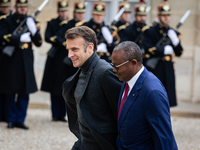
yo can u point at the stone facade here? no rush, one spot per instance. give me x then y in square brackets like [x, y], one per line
[187, 67]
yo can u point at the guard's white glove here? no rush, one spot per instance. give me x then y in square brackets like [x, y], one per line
[31, 25]
[107, 35]
[102, 48]
[25, 37]
[168, 50]
[143, 51]
[173, 37]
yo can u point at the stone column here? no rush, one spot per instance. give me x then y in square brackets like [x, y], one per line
[196, 60]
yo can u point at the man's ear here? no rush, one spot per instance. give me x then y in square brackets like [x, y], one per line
[90, 47]
[134, 62]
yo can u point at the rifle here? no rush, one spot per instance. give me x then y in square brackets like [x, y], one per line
[165, 40]
[11, 10]
[116, 18]
[9, 50]
[141, 33]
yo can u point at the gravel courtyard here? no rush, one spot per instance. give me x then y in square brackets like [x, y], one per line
[47, 135]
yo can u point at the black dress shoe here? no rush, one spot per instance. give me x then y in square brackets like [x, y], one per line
[11, 125]
[21, 125]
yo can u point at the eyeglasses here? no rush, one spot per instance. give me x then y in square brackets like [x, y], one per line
[117, 67]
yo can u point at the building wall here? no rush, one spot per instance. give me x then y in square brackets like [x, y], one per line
[187, 67]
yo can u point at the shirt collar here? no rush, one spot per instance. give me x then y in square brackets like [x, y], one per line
[133, 80]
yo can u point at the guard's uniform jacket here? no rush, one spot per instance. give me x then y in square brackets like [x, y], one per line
[56, 70]
[134, 32]
[121, 26]
[17, 74]
[2, 32]
[3, 108]
[121, 23]
[97, 29]
[164, 69]
[64, 27]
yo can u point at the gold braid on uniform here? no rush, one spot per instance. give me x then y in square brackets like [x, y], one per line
[145, 28]
[53, 39]
[3, 17]
[151, 50]
[80, 23]
[63, 22]
[6, 37]
[116, 35]
[123, 26]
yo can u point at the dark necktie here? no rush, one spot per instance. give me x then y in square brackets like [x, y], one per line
[123, 99]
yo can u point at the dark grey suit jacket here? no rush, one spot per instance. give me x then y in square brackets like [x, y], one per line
[98, 103]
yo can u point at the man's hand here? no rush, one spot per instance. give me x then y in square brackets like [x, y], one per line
[173, 37]
[25, 37]
[31, 25]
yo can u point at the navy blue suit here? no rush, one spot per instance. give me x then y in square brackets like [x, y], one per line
[144, 122]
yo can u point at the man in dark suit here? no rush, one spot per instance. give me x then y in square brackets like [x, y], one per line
[17, 78]
[143, 111]
[91, 94]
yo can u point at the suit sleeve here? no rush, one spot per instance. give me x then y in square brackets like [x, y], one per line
[71, 110]
[158, 116]
[111, 89]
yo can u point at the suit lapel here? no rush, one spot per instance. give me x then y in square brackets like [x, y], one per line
[89, 73]
[132, 97]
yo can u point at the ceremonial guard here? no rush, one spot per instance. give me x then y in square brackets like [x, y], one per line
[134, 32]
[78, 20]
[56, 70]
[17, 78]
[124, 18]
[4, 13]
[161, 42]
[104, 36]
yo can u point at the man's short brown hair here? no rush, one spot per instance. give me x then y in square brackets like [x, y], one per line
[85, 32]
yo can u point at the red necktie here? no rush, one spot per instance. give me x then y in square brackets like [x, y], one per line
[123, 99]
